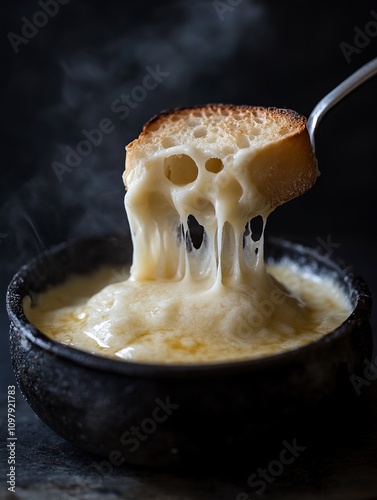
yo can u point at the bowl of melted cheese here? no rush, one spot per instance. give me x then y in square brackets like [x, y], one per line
[232, 337]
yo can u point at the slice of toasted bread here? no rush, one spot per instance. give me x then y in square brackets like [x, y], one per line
[272, 144]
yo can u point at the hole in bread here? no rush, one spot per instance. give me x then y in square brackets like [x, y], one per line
[167, 142]
[283, 130]
[258, 120]
[242, 141]
[195, 233]
[154, 126]
[180, 169]
[200, 132]
[255, 131]
[193, 122]
[256, 227]
[197, 113]
[224, 112]
[214, 165]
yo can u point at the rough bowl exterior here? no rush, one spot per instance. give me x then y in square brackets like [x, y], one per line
[166, 415]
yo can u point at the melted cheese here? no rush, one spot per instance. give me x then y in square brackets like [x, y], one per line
[182, 304]
[165, 190]
[160, 322]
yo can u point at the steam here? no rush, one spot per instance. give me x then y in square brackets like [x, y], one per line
[88, 198]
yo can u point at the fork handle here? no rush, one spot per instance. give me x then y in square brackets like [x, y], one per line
[342, 90]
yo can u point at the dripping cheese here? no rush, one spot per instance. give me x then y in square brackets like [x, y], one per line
[208, 297]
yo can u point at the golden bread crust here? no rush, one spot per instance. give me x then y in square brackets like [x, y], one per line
[281, 163]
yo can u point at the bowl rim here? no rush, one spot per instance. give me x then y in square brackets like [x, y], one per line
[53, 348]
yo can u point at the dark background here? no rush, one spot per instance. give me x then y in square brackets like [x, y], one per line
[269, 53]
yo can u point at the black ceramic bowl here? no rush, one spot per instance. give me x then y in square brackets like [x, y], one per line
[177, 415]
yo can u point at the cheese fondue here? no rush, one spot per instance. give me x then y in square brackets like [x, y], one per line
[188, 302]
[176, 322]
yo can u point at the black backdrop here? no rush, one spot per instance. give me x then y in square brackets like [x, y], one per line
[69, 73]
